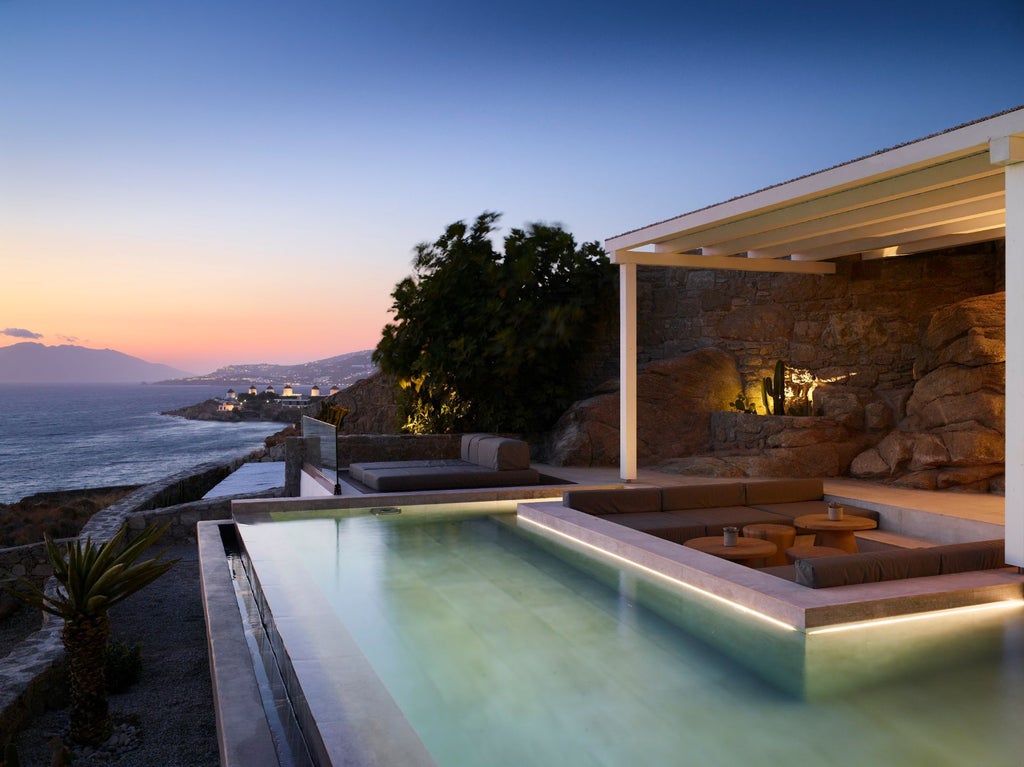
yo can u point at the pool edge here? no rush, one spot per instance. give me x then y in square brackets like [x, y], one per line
[243, 733]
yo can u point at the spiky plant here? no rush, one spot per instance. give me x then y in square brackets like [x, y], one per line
[92, 578]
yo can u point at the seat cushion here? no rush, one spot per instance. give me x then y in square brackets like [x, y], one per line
[660, 524]
[728, 516]
[628, 500]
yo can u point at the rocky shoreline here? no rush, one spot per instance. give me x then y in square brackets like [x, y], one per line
[210, 411]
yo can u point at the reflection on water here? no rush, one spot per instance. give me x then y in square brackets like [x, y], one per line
[502, 649]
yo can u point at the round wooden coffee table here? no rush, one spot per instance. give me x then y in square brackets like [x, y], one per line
[745, 549]
[836, 533]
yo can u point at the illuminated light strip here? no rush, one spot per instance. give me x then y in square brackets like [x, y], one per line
[948, 612]
[704, 592]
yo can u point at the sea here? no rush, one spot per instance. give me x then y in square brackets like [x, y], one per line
[73, 436]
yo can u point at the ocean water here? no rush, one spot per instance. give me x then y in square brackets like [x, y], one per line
[70, 436]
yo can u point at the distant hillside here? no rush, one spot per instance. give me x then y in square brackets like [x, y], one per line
[343, 370]
[31, 362]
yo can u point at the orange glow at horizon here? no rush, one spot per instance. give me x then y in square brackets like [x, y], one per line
[193, 312]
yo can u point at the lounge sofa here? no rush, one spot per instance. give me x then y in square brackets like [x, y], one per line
[893, 564]
[486, 461]
[691, 511]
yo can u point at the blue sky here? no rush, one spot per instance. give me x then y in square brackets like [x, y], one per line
[175, 175]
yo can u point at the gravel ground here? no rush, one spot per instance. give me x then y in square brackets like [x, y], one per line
[168, 715]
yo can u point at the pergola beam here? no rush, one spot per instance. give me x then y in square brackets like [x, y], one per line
[738, 263]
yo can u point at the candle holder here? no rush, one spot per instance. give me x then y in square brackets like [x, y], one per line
[729, 535]
[835, 511]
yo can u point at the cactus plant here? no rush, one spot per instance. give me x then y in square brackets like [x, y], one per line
[774, 389]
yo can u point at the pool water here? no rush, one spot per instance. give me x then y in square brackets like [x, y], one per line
[501, 648]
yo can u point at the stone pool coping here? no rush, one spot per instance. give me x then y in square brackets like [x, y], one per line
[798, 606]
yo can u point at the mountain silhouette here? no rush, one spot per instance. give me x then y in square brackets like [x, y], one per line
[31, 362]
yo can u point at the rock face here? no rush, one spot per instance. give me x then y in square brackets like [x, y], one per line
[675, 400]
[371, 406]
[952, 434]
[944, 432]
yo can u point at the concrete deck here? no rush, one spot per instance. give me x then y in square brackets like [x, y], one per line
[249, 478]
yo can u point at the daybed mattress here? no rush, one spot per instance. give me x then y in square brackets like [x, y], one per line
[397, 476]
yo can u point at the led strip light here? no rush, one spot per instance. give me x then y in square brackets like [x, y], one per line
[878, 622]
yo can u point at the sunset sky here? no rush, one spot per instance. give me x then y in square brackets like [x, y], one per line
[210, 183]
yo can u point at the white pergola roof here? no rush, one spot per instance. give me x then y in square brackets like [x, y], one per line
[938, 192]
[958, 187]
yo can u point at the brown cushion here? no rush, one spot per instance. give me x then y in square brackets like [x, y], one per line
[660, 524]
[786, 572]
[869, 567]
[965, 557]
[501, 453]
[702, 496]
[783, 491]
[729, 516]
[630, 500]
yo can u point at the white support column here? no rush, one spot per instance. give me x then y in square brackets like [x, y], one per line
[627, 372]
[1009, 152]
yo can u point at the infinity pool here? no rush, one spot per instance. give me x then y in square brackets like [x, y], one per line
[499, 646]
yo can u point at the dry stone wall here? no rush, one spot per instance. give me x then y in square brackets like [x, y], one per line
[911, 350]
[860, 326]
[952, 431]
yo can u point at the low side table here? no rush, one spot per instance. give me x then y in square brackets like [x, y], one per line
[835, 533]
[783, 536]
[745, 549]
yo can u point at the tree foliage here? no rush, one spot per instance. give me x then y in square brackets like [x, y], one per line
[488, 340]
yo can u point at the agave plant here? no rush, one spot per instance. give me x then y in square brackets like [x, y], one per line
[92, 578]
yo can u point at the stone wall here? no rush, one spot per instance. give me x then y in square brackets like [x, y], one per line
[860, 325]
[867, 335]
[32, 673]
[951, 432]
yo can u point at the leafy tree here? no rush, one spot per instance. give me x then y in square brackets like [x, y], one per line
[488, 340]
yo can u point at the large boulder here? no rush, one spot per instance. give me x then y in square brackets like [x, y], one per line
[371, 403]
[675, 399]
[953, 433]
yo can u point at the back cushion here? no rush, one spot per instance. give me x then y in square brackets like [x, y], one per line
[624, 501]
[470, 443]
[783, 491]
[702, 496]
[965, 557]
[501, 453]
[867, 567]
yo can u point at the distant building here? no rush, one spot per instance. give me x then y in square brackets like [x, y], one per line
[252, 390]
[334, 390]
[227, 407]
[231, 394]
[287, 391]
[315, 391]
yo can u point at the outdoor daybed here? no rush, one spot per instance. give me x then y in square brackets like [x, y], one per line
[486, 461]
